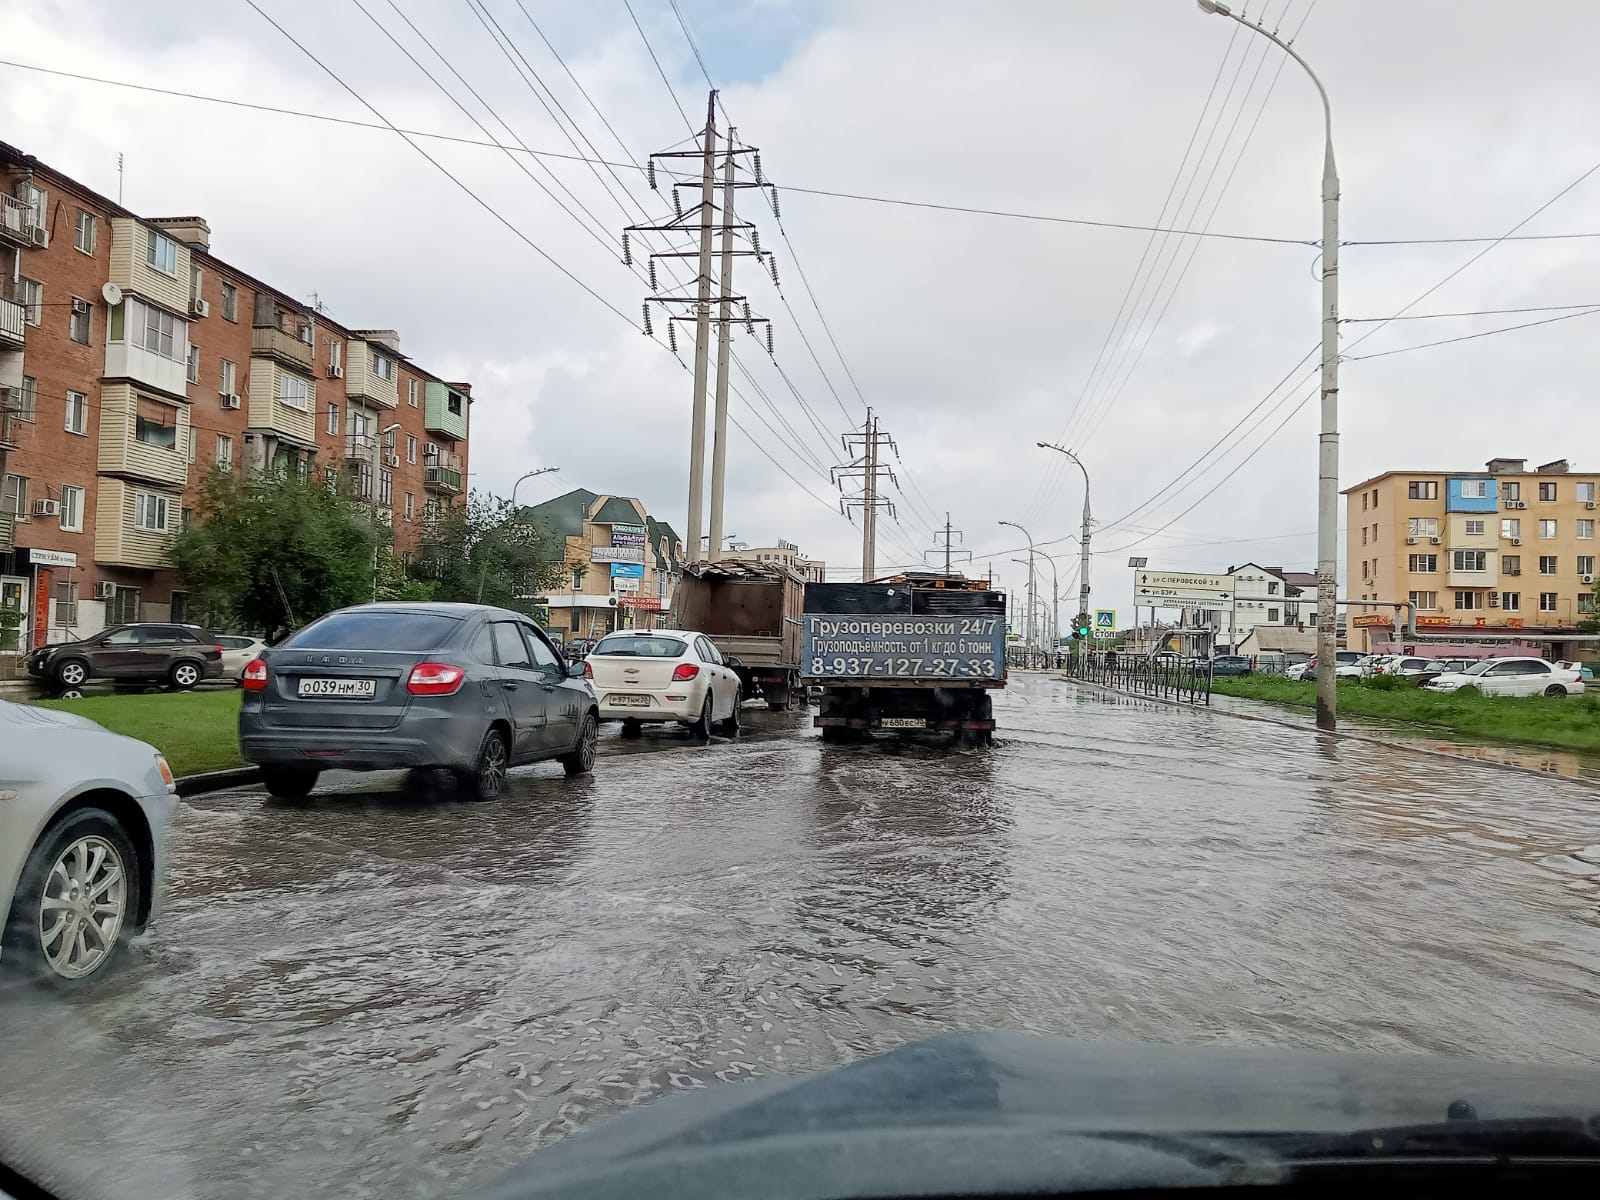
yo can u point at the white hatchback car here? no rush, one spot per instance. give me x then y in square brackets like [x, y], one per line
[83, 834]
[1513, 677]
[238, 652]
[655, 675]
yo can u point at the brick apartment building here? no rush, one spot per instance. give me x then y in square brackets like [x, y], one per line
[133, 361]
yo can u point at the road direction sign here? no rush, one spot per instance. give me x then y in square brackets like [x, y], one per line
[1182, 589]
[1104, 619]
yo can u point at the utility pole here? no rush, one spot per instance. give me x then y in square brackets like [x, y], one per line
[703, 220]
[868, 465]
[947, 535]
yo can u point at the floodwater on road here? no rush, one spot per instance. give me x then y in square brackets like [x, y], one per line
[387, 993]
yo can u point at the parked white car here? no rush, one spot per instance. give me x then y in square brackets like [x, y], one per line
[642, 676]
[83, 834]
[1513, 677]
[1404, 664]
[237, 653]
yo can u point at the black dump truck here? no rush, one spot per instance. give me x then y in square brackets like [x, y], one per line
[909, 655]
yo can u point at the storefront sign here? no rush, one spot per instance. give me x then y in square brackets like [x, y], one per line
[52, 558]
[617, 554]
[647, 603]
[41, 607]
[627, 535]
[1433, 622]
[1366, 619]
[627, 570]
[622, 583]
[1513, 622]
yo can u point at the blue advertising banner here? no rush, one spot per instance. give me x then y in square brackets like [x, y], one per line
[927, 647]
[627, 570]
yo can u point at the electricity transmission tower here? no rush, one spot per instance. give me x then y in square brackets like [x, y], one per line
[867, 465]
[946, 535]
[682, 304]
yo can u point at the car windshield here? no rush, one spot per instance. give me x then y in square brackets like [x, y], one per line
[640, 646]
[1478, 668]
[376, 629]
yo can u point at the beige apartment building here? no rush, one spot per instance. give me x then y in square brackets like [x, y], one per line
[1504, 557]
[785, 554]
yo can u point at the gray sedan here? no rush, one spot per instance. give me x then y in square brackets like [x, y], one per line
[83, 831]
[461, 687]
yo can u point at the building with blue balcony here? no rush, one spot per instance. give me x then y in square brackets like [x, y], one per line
[1470, 494]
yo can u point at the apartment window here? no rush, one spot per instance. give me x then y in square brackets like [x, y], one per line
[25, 400]
[30, 294]
[453, 403]
[1364, 496]
[224, 452]
[1547, 529]
[1547, 564]
[1424, 600]
[1511, 563]
[227, 376]
[1423, 489]
[197, 282]
[71, 508]
[67, 604]
[83, 232]
[293, 391]
[1511, 601]
[1510, 490]
[1469, 560]
[1585, 564]
[1466, 601]
[1474, 528]
[77, 412]
[193, 365]
[335, 355]
[125, 606]
[412, 389]
[154, 425]
[230, 302]
[150, 512]
[1547, 491]
[411, 448]
[14, 495]
[386, 489]
[1363, 535]
[1422, 527]
[1474, 489]
[382, 366]
[1424, 564]
[411, 506]
[1272, 614]
[1586, 602]
[161, 252]
[1374, 497]
[78, 324]
[1548, 601]
[432, 509]
[154, 329]
[1585, 492]
[1510, 527]
[333, 419]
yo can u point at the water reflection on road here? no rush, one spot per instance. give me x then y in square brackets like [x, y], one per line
[389, 991]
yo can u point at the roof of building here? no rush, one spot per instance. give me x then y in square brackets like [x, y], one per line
[617, 510]
[1300, 579]
[561, 516]
[1559, 467]
[1280, 639]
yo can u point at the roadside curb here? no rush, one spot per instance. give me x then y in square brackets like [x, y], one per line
[1368, 738]
[216, 781]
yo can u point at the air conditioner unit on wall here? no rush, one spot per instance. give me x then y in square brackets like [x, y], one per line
[230, 399]
[1435, 539]
[1411, 541]
[47, 508]
[1516, 541]
[391, 459]
[105, 590]
[79, 306]
[1589, 503]
[1513, 570]
[1494, 599]
[199, 307]
[1519, 504]
[1588, 578]
[40, 236]
[335, 372]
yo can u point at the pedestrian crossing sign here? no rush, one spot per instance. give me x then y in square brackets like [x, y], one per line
[1105, 620]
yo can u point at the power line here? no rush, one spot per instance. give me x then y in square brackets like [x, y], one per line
[1468, 336]
[657, 62]
[1480, 312]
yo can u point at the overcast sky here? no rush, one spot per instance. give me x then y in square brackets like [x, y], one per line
[973, 336]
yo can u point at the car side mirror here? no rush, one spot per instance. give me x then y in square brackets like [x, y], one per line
[575, 669]
[730, 661]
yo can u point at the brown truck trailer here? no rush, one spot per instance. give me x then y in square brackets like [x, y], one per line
[751, 613]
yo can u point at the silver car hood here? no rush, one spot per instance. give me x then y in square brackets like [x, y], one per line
[22, 717]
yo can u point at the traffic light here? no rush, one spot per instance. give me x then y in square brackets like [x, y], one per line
[1080, 627]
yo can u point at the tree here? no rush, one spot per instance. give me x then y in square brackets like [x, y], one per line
[1591, 621]
[273, 553]
[478, 553]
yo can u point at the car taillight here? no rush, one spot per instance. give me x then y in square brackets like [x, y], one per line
[588, 671]
[685, 671]
[434, 679]
[254, 678]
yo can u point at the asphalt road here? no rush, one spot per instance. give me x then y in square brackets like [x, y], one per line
[390, 993]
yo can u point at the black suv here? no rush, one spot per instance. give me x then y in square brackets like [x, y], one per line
[176, 655]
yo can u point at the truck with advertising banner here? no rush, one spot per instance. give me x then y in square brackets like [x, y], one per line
[751, 613]
[912, 654]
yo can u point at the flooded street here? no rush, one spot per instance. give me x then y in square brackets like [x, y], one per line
[386, 993]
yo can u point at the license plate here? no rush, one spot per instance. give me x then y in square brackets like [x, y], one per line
[625, 700]
[904, 723]
[353, 689]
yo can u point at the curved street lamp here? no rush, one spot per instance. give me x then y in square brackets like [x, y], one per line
[1027, 637]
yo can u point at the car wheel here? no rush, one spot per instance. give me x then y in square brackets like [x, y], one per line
[184, 675]
[632, 730]
[730, 727]
[700, 728]
[72, 673]
[289, 783]
[487, 778]
[581, 760]
[75, 900]
[1555, 689]
[68, 694]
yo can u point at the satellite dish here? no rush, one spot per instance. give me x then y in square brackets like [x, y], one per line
[112, 294]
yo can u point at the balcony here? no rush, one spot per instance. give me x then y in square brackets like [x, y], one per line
[442, 473]
[142, 438]
[129, 360]
[132, 270]
[269, 341]
[361, 379]
[276, 402]
[118, 538]
[445, 411]
[16, 223]
[13, 325]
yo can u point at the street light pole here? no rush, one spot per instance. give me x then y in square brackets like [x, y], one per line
[483, 571]
[1027, 637]
[1328, 439]
[1083, 539]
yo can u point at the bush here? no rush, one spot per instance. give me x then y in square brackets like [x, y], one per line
[1388, 683]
